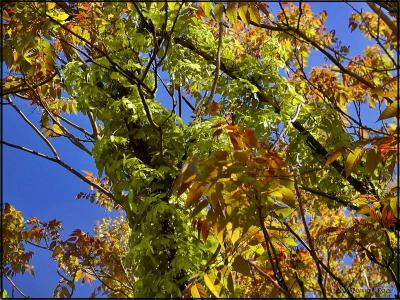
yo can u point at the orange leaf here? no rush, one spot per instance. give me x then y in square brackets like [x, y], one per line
[234, 141]
[385, 146]
[388, 218]
[334, 155]
[194, 194]
[250, 137]
[214, 107]
[217, 133]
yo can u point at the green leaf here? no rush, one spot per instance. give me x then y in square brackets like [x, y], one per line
[206, 6]
[254, 14]
[241, 265]
[218, 11]
[290, 241]
[284, 212]
[390, 111]
[59, 16]
[352, 161]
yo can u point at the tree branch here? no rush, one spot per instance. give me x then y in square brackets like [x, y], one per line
[217, 69]
[259, 270]
[24, 89]
[64, 165]
[303, 36]
[34, 128]
[384, 17]
[16, 287]
[315, 146]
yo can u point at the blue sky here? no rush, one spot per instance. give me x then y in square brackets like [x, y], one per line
[45, 190]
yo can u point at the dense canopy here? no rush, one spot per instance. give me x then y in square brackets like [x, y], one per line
[237, 169]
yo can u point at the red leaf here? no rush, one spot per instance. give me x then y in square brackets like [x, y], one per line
[388, 218]
[250, 137]
[217, 125]
[214, 107]
[204, 230]
[234, 141]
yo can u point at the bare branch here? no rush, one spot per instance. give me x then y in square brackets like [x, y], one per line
[64, 165]
[33, 127]
[16, 287]
[94, 125]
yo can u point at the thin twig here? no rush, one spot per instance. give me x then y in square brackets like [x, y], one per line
[64, 165]
[259, 270]
[309, 238]
[17, 89]
[34, 128]
[208, 102]
[16, 287]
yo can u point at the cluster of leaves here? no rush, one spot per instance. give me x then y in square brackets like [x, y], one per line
[80, 257]
[261, 195]
[95, 196]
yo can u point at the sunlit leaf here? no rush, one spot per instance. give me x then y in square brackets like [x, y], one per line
[390, 111]
[352, 160]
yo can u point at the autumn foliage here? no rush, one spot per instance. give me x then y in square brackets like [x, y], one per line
[236, 169]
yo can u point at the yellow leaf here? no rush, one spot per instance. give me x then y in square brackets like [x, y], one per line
[214, 289]
[206, 6]
[235, 235]
[373, 158]
[363, 210]
[383, 93]
[59, 16]
[50, 5]
[254, 14]
[288, 196]
[78, 275]
[160, 5]
[394, 205]
[194, 291]
[194, 194]
[171, 5]
[334, 155]
[243, 14]
[390, 111]
[352, 161]
[57, 129]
